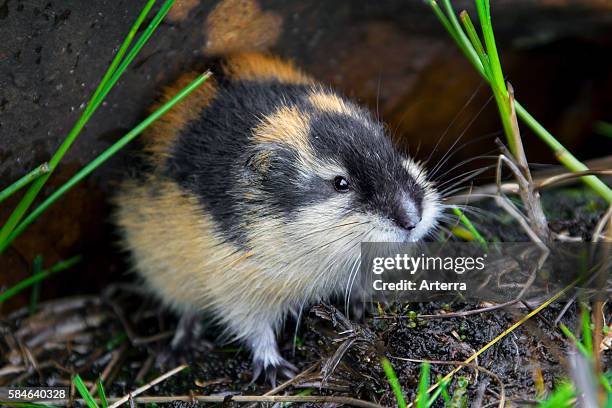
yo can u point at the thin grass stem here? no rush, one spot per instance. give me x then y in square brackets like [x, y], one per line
[24, 181]
[102, 393]
[484, 15]
[450, 23]
[442, 17]
[473, 37]
[494, 73]
[423, 395]
[108, 153]
[99, 94]
[461, 38]
[393, 382]
[568, 333]
[82, 389]
[468, 224]
[35, 295]
[436, 394]
[587, 337]
[58, 267]
[561, 398]
[603, 128]
[562, 154]
[142, 40]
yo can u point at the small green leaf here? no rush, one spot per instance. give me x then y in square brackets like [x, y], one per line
[393, 382]
[423, 394]
[101, 393]
[82, 389]
[58, 267]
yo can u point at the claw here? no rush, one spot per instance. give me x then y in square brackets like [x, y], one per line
[271, 376]
[186, 339]
[284, 368]
[187, 330]
[257, 368]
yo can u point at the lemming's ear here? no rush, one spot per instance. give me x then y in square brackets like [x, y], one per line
[258, 162]
[268, 160]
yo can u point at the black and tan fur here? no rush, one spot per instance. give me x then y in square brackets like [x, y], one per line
[241, 214]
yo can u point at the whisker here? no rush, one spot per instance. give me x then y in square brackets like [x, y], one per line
[463, 108]
[465, 177]
[475, 210]
[468, 196]
[349, 283]
[298, 320]
[451, 183]
[434, 174]
[353, 273]
[356, 223]
[466, 161]
[445, 158]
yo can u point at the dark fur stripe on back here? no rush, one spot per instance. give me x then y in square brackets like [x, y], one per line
[210, 152]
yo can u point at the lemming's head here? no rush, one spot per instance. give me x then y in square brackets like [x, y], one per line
[324, 171]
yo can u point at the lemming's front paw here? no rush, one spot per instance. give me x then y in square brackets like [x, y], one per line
[281, 367]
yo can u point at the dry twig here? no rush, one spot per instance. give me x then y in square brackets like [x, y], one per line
[292, 381]
[237, 398]
[148, 385]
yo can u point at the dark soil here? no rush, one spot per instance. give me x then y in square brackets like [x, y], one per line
[124, 333]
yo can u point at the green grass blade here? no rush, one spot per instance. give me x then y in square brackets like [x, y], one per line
[443, 19]
[393, 382]
[436, 394]
[134, 51]
[80, 386]
[587, 338]
[605, 383]
[24, 181]
[562, 154]
[108, 153]
[423, 395]
[484, 15]
[476, 44]
[468, 224]
[116, 340]
[561, 398]
[102, 393]
[305, 392]
[573, 338]
[473, 37]
[603, 128]
[103, 87]
[461, 38]
[36, 269]
[117, 59]
[100, 92]
[58, 267]
[446, 396]
[446, 22]
[449, 22]
[142, 40]
[495, 74]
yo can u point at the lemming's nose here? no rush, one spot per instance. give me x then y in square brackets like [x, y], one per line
[405, 223]
[407, 216]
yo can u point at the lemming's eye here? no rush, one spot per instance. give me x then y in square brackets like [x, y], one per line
[341, 184]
